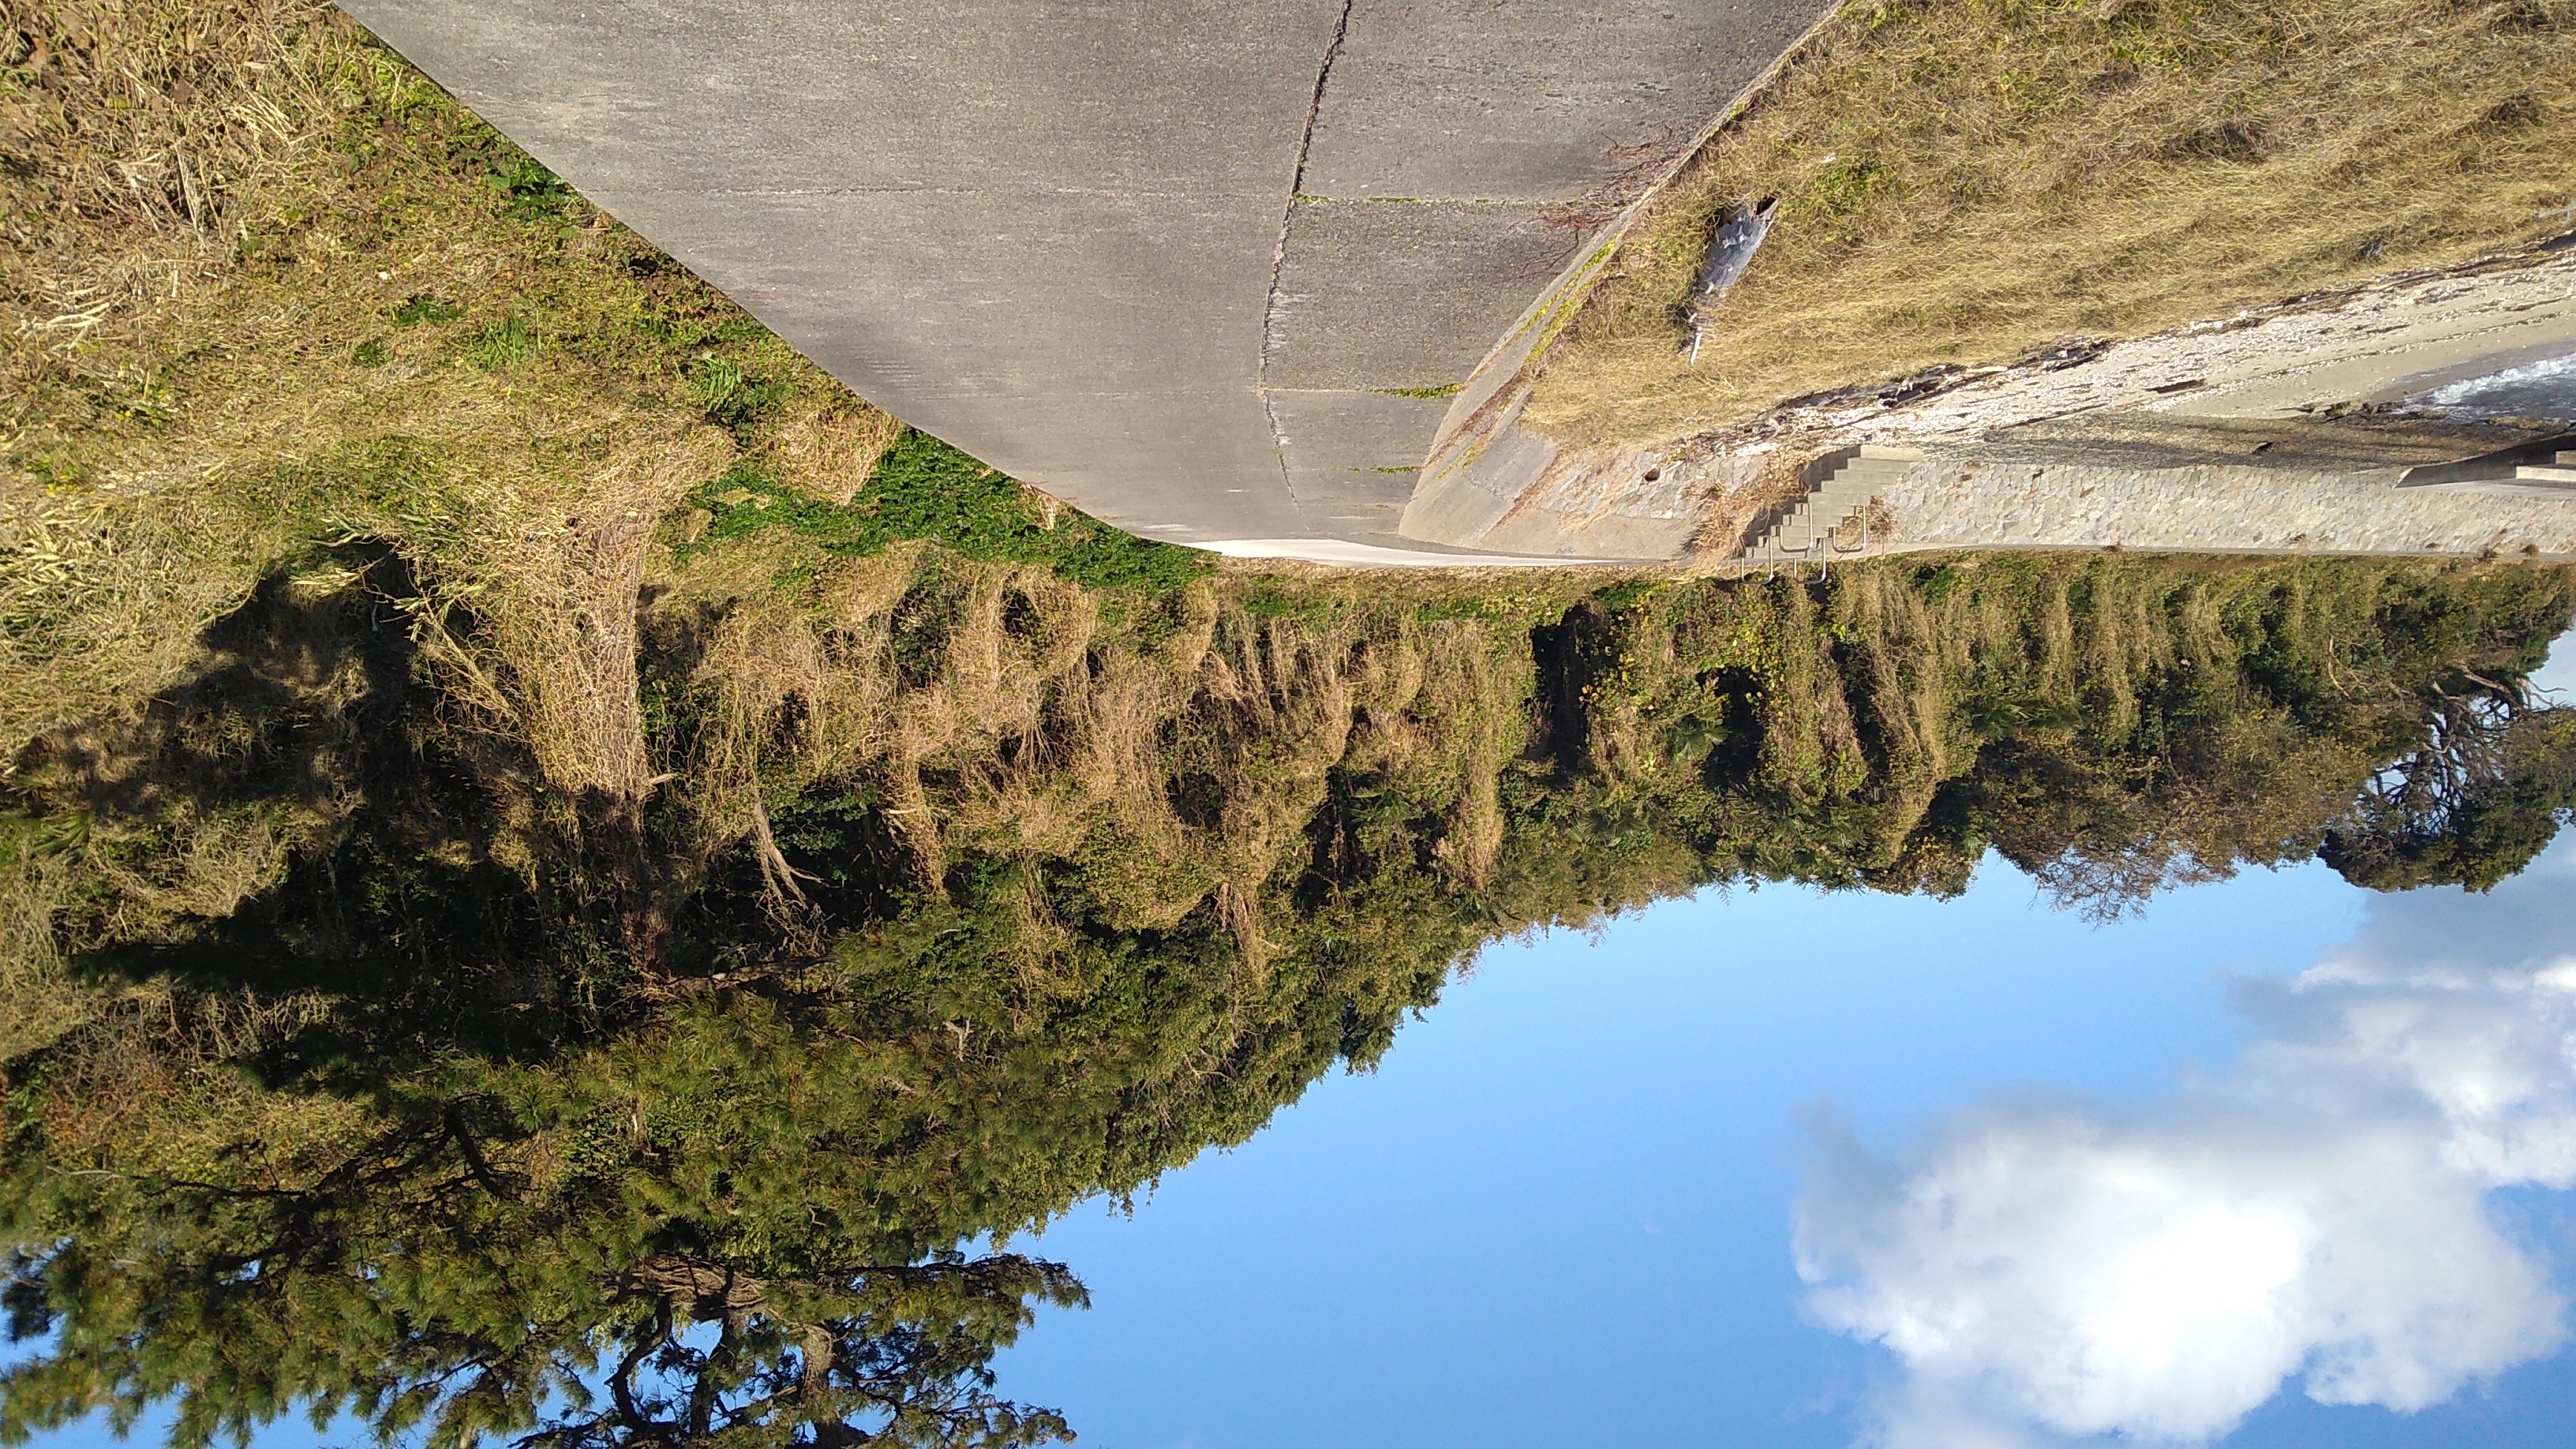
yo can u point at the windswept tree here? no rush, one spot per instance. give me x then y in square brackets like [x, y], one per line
[2489, 788]
[427, 1284]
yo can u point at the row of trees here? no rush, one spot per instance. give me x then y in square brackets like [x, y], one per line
[1031, 893]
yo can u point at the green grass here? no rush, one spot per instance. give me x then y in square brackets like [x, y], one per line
[924, 489]
[505, 343]
[425, 308]
[736, 400]
[530, 192]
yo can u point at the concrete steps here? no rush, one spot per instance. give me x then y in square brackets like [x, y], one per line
[1846, 482]
[2542, 471]
[2560, 470]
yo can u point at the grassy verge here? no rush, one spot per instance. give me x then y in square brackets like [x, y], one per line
[923, 489]
[292, 334]
[273, 291]
[1974, 180]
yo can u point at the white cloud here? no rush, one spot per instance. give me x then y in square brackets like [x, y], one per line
[2047, 1269]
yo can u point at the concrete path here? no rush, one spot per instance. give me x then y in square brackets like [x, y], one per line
[1188, 264]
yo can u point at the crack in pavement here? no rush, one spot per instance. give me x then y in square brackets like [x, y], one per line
[1279, 254]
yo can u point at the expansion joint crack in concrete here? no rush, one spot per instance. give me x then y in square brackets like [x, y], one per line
[1279, 253]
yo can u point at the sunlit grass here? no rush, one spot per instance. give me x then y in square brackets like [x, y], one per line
[1971, 180]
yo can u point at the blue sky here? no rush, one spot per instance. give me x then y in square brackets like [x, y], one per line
[1569, 1207]
[1561, 1211]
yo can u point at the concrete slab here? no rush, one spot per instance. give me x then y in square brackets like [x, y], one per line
[1089, 397]
[1350, 505]
[1531, 100]
[1353, 458]
[1349, 429]
[719, 96]
[1404, 294]
[1067, 236]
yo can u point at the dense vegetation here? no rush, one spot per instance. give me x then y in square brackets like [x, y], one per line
[557, 871]
[973, 891]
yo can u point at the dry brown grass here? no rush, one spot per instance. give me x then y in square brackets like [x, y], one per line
[139, 155]
[150, 1083]
[215, 218]
[1971, 180]
[829, 452]
[145, 837]
[263, 290]
[992, 709]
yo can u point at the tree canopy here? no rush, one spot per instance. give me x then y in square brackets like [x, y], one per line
[978, 891]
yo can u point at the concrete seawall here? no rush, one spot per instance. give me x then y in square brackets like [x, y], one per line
[1952, 502]
[2207, 437]
[2147, 484]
